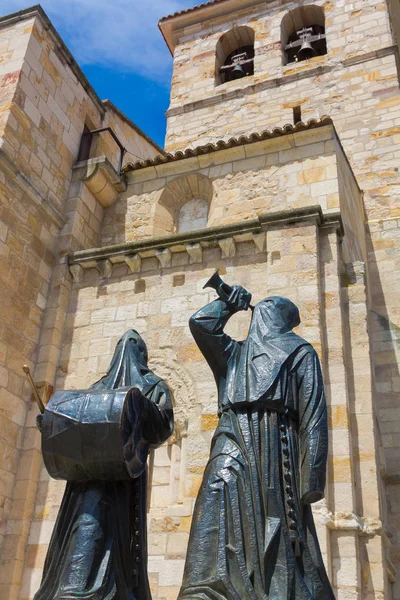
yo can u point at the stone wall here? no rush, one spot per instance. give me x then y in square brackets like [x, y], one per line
[292, 171]
[44, 103]
[157, 287]
[277, 212]
[302, 262]
[28, 248]
[201, 112]
[356, 83]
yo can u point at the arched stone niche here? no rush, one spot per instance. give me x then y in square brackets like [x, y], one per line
[183, 205]
[167, 472]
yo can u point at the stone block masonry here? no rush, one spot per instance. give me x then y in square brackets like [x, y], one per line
[45, 102]
[356, 84]
[297, 252]
[307, 211]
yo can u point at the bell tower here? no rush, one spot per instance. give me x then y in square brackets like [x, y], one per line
[245, 66]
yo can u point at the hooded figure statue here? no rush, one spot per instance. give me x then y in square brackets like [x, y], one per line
[253, 535]
[99, 440]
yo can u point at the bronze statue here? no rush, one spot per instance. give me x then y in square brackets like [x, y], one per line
[253, 535]
[98, 440]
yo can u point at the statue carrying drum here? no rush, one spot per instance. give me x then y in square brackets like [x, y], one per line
[98, 440]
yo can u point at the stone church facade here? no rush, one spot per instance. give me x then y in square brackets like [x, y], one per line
[286, 179]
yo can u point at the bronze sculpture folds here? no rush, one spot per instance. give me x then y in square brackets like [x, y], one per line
[253, 535]
[99, 440]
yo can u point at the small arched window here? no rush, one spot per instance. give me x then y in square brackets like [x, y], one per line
[183, 205]
[235, 55]
[193, 215]
[303, 34]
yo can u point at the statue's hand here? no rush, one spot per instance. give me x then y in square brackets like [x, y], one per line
[239, 298]
[311, 497]
[39, 423]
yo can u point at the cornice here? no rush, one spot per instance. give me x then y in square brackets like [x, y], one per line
[225, 237]
[242, 140]
[170, 25]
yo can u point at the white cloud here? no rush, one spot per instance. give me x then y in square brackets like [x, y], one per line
[114, 33]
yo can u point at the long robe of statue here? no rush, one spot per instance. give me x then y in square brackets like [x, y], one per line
[253, 535]
[98, 550]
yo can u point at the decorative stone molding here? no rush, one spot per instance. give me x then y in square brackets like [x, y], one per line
[181, 385]
[349, 521]
[356, 273]
[260, 240]
[105, 268]
[164, 257]
[134, 263]
[225, 237]
[101, 179]
[195, 252]
[76, 272]
[228, 247]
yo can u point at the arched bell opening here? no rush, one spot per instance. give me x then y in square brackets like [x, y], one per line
[303, 34]
[235, 55]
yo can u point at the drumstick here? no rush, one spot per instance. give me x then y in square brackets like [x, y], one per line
[38, 399]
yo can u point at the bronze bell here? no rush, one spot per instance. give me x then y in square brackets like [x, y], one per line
[306, 51]
[238, 72]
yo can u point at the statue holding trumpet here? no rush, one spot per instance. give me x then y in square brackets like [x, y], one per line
[253, 535]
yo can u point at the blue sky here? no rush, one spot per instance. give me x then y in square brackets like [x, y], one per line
[120, 49]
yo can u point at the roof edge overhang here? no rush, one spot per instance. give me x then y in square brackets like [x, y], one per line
[170, 25]
[231, 143]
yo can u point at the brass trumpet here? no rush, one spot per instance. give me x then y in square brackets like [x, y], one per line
[223, 289]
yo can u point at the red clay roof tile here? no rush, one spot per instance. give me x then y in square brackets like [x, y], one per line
[189, 10]
[231, 143]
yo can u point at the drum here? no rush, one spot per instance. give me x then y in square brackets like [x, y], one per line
[81, 435]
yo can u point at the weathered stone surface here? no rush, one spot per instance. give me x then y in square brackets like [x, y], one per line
[350, 313]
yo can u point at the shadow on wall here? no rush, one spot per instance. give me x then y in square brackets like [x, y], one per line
[384, 340]
[385, 335]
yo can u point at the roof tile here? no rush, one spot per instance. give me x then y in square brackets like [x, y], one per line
[189, 10]
[231, 143]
